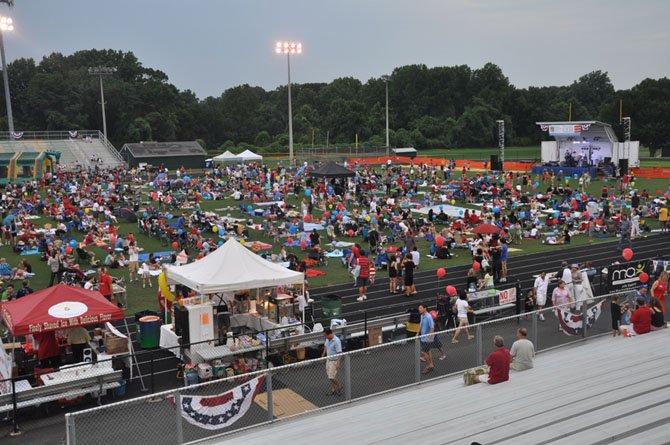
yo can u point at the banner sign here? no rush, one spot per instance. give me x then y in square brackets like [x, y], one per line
[626, 276]
[572, 323]
[492, 297]
[565, 130]
[5, 372]
[221, 410]
[507, 296]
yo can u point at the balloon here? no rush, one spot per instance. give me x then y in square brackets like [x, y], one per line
[453, 201]
[303, 245]
[175, 245]
[220, 243]
[367, 218]
[289, 240]
[242, 242]
[112, 239]
[644, 277]
[439, 241]
[307, 218]
[373, 220]
[86, 210]
[145, 214]
[68, 250]
[632, 184]
[433, 314]
[215, 229]
[451, 291]
[308, 192]
[441, 272]
[476, 265]
[627, 254]
[250, 208]
[198, 245]
[180, 232]
[292, 230]
[350, 232]
[73, 243]
[169, 216]
[326, 214]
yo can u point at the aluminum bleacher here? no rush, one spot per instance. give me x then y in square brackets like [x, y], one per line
[83, 150]
[602, 391]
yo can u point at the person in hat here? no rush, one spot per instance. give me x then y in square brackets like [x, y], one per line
[663, 217]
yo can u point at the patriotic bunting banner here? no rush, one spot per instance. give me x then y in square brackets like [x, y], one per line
[17, 135]
[222, 410]
[572, 323]
[73, 134]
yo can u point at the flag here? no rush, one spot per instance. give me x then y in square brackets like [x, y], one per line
[572, 323]
[221, 410]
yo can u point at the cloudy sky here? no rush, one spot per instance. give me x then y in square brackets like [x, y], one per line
[210, 45]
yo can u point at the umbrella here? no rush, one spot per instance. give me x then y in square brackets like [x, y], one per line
[486, 229]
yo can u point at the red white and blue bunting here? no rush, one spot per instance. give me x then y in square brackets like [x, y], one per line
[222, 410]
[73, 134]
[572, 323]
[17, 135]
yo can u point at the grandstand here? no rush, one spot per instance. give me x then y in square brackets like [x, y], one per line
[85, 148]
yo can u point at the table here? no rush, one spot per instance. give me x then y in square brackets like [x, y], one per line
[169, 339]
[251, 321]
[77, 373]
[206, 353]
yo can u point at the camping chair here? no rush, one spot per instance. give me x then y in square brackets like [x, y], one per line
[82, 256]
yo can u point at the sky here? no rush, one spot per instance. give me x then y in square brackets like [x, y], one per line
[208, 46]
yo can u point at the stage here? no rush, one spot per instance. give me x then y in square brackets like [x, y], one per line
[566, 171]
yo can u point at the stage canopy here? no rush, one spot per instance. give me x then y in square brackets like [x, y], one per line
[248, 155]
[56, 308]
[225, 157]
[332, 170]
[231, 267]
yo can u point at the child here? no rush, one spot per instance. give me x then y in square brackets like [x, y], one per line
[146, 275]
[616, 315]
[373, 273]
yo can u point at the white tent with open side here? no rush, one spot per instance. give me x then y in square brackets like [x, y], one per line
[231, 267]
[226, 156]
[248, 155]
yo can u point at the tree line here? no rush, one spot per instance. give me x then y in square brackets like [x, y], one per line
[439, 107]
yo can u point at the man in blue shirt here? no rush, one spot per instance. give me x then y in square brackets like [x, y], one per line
[428, 339]
[332, 350]
[503, 260]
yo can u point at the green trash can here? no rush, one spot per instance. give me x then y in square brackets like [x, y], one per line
[138, 316]
[331, 307]
[150, 331]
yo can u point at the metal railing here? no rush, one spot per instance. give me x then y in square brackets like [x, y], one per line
[278, 393]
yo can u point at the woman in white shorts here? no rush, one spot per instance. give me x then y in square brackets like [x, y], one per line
[462, 310]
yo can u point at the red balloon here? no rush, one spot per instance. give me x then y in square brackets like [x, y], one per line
[326, 214]
[303, 245]
[290, 240]
[451, 290]
[644, 277]
[199, 245]
[350, 232]
[627, 254]
[175, 245]
[433, 314]
[307, 218]
[439, 241]
[68, 250]
[441, 272]
[476, 265]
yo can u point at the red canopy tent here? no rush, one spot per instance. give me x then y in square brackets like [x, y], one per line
[58, 307]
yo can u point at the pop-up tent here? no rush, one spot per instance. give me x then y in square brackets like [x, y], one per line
[231, 267]
[248, 155]
[58, 307]
[332, 170]
[226, 156]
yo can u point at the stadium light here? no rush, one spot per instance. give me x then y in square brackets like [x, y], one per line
[102, 71]
[386, 79]
[6, 25]
[289, 48]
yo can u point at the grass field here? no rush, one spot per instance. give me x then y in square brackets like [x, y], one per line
[139, 298]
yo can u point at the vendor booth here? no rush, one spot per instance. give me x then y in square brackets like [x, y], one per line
[584, 147]
[226, 156]
[235, 293]
[248, 155]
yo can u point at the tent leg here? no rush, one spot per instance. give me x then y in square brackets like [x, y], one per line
[133, 358]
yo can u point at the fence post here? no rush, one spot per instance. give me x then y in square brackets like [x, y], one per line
[70, 435]
[177, 410]
[480, 345]
[347, 377]
[533, 331]
[585, 309]
[152, 373]
[417, 360]
[268, 388]
[15, 425]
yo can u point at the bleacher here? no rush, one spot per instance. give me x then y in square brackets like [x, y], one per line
[84, 150]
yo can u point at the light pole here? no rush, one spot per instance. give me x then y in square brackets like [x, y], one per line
[6, 24]
[289, 48]
[102, 71]
[386, 81]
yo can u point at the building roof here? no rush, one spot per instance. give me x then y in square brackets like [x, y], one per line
[164, 149]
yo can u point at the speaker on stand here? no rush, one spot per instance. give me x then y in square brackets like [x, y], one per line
[495, 163]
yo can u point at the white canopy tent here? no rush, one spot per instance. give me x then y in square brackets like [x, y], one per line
[248, 155]
[231, 267]
[225, 157]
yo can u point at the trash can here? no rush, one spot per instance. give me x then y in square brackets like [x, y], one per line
[138, 316]
[413, 324]
[331, 307]
[150, 331]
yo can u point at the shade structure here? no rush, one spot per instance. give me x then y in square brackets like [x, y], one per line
[56, 308]
[231, 267]
[486, 228]
[226, 156]
[332, 170]
[248, 155]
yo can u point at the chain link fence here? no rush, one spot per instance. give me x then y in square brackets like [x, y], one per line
[207, 410]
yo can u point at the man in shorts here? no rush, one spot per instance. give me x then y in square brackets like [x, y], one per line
[363, 275]
[332, 350]
[428, 339]
[133, 258]
[499, 362]
[541, 286]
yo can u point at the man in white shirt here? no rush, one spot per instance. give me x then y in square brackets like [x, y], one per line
[541, 286]
[415, 257]
[522, 351]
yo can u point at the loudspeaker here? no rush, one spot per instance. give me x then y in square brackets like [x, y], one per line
[623, 166]
[496, 165]
[181, 324]
[88, 355]
[608, 161]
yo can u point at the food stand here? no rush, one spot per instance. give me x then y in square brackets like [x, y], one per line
[244, 295]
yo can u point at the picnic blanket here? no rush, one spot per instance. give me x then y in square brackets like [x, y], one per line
[296, 243]
[257, 245]
[341, 244]
[30, 252]
[310, 273]
[160, 256]
[311, 226]
[337, 253]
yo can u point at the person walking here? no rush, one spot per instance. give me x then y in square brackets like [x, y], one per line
[522, 351]
[428, 339]
[363, 275]
[332, 350]
[462, 310]
[133, 262]
[660, 288]
[54, 263]
[541, 286]
[625, 230]
[393, 274]
[408, 266]
[105, 284]
[561, 295]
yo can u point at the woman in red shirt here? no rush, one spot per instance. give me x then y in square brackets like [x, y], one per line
[660, 288]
